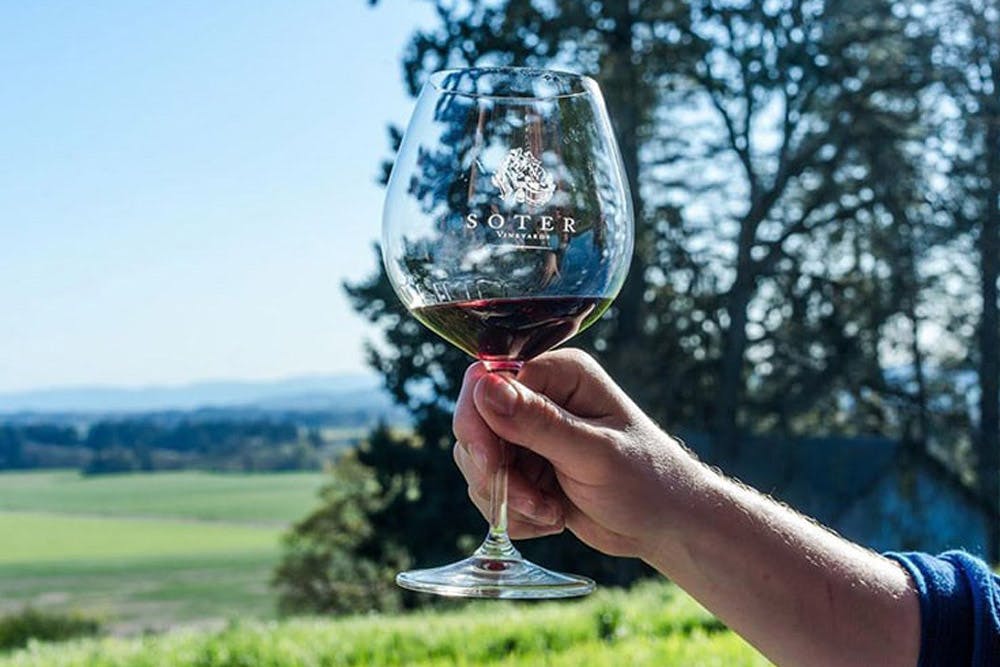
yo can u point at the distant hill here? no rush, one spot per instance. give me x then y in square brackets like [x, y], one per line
[338, 394]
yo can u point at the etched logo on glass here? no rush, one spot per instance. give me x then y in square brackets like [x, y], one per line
[522, 179]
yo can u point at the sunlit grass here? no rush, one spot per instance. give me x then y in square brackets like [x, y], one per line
[654, 624]
[271, 497]
[146, 550]
[30, 537]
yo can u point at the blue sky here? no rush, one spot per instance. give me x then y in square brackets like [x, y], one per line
[184, 185]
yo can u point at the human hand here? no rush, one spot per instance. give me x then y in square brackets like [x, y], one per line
[590, 460]
[587, 458]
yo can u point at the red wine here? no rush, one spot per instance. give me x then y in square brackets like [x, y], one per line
[511, 329]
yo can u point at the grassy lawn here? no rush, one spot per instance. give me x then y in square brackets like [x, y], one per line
[146, 551]
[654, 624]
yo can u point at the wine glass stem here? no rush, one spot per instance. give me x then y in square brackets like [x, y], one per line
[497, 543]
[498, 493]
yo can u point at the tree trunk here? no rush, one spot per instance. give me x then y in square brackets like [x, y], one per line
[623, 84]
[910, 286]
[727, 431]
[989, 334]
[921, 437]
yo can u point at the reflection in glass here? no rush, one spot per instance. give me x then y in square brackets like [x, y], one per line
[507, 229]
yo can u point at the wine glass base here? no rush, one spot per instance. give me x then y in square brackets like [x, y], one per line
[484, 577]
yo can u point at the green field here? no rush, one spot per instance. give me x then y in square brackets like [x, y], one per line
[253, 498]
[146, 551]
[154, 552]
[654, 624]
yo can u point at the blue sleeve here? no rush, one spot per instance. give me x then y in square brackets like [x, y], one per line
[959, 609]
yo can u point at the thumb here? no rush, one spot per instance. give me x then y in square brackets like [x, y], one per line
[529, 419]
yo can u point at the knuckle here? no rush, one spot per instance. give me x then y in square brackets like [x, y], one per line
[472, 372]
[579, 358]
[464, 422]
[535, 373]
[458, 427]
[478, 488]
[579, 364]
[588, 364]
[479, 501]
[469, 471]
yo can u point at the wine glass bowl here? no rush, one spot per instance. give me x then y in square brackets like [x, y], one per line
[507, 229]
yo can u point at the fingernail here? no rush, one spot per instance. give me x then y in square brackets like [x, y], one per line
[544, 513]
[548, 513]
[501, 395]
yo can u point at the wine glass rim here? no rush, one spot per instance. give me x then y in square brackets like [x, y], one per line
[587, 84]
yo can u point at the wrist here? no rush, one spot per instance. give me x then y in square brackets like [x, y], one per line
[681, 512]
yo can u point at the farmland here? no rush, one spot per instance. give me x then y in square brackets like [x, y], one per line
[242, 498]
[146, 551]
[190, 554]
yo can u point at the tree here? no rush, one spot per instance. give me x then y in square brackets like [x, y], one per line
[799, 92]
[11, 448]
[743, 129]
[973, 52]
[112, 460]
[335, 561]
[757, 138]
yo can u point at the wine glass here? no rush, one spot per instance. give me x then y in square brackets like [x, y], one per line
[507, 229]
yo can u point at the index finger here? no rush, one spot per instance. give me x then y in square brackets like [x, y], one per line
[467, 424]
[575, 381]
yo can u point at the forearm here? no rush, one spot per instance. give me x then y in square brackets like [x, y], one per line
[800, 594]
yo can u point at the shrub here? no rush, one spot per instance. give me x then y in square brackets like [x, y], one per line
[334, 561]
[16, 630]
